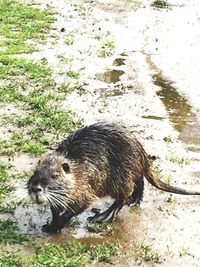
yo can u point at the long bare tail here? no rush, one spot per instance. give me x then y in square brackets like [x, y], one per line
[153, 180]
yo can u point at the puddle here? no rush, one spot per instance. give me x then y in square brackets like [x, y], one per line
[180, 111]
[110, 76]
[31, 218]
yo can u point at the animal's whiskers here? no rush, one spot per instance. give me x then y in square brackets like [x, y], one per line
[58, 200]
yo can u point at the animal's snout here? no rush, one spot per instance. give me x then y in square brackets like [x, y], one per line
[36, 189]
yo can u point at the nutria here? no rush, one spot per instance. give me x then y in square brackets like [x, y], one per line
[96, 161]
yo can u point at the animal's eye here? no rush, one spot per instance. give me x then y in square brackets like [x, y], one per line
[54, 176]
[66, 167]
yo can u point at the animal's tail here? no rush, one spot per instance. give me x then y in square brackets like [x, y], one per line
[165, 187]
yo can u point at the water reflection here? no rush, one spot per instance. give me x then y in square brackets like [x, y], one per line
[177, 106]
[180, 112]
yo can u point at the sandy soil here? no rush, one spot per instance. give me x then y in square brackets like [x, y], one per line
[125, 87]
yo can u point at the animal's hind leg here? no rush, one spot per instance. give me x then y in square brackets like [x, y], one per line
[137, 194]
[107, 215]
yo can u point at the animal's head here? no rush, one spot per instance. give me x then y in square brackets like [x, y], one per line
[51, 181]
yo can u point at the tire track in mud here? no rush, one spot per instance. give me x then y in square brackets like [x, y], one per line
[180, 112]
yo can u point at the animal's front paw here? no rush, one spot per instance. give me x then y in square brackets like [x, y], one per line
[96, 210]
[95, 219]
[50, 228]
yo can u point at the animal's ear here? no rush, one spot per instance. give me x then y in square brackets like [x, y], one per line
[65, 167]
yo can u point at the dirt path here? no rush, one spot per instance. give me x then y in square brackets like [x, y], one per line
[101, 47]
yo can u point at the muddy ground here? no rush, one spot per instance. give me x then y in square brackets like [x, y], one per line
[137, 65]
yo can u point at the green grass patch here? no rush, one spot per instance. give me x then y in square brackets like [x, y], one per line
[7, 208]
[30, 87]
[156, 170]
[36, 71]
[9, 233]
[73, 74]
[23, 22]
[19, 143]
[9, 94]
[9, 259]
[101, 228]
[104, 253]
[70, 254]
[184, 251]
[42, 129]
[38, 135]
[73, 254]
[59, 121]
[19, 67]
[27, 83]
[8, 148]
[168, 179]
[43, 103]
[10, 205]
[69, 40]
[22, 121]
[145, 254]
[66, 88]
[82, 10]
[178, 159]
[107, 48]
[13, 46]
[5, 190]
[4, 174]
[22, 175]
[50, 119]
[33, 148]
